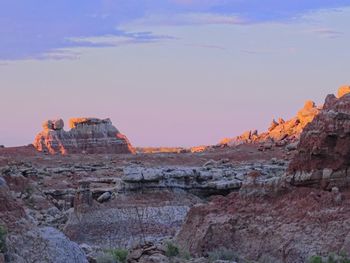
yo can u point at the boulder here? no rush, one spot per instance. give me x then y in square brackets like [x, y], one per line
[87, 135]
[54, 125]
[148, 253]
[306, 114]
[44, 245]
[2, 182]
[104, 197]
[273, 125]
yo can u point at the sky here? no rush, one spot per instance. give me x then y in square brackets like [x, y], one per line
[168, 72]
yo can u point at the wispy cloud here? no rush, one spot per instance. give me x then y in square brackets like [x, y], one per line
[290, 50]
[327, 32]
[120, 38]
[47, 29]
[207, 46]
[189, 19]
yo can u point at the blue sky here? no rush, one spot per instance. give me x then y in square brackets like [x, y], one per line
[175, 72]
[35, 28]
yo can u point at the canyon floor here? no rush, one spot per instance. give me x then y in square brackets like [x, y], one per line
[99, 202]
[281, 196]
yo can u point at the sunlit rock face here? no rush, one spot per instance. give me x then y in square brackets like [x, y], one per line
[343, 91]
[323, 156]
[279, 131]
[87, 135]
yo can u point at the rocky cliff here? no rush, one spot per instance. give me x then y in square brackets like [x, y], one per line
[280, 132]
[323, 154]
[87, 135]
[297, 223]
[288, 229]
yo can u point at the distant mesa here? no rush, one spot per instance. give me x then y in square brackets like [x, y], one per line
[87, 135]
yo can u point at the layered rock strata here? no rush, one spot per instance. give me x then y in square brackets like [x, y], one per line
[291, 228]
[323, 157]
[87, 135]
[150, 204]
[213, 178]
[130, 218]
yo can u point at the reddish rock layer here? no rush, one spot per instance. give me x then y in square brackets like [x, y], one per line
[10, 210]
[87, 135]
[290, 228]
[325, 142]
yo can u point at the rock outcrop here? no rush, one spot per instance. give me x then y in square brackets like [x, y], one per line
[45, 244]
[213, 178]
[343, 91]
[148, 253]
[25, 241]
[291, 228]
[130, 218]
[87, 135]
[280, 132]
[323, 156]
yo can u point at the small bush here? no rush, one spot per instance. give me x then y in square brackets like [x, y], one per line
[171, 250]
[222, 254]
[315, 259]
[3, 234]
[105, 258]
[333, 258]
[185, 255]
[119, 255]
[28, 191]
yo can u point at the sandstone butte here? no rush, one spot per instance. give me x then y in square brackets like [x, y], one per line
[86, 135]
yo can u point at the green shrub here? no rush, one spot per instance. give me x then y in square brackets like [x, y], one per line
[105, 258]
[222, 254]
[119, 255]
[28, 191]
[185, 254]
[332, 258]
[172, 250]
[315, 259]
[3, 234]
[344, 258]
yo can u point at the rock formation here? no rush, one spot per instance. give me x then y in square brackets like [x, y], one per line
[87, 135]
[323, 156]
[343, 91]
[213, 178]
[280, 132]
[26, 242]
[290, 228]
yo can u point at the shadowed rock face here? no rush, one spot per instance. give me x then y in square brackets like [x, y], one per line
[324, 150]
[287, 229]
[87, 135]
[26, 242]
